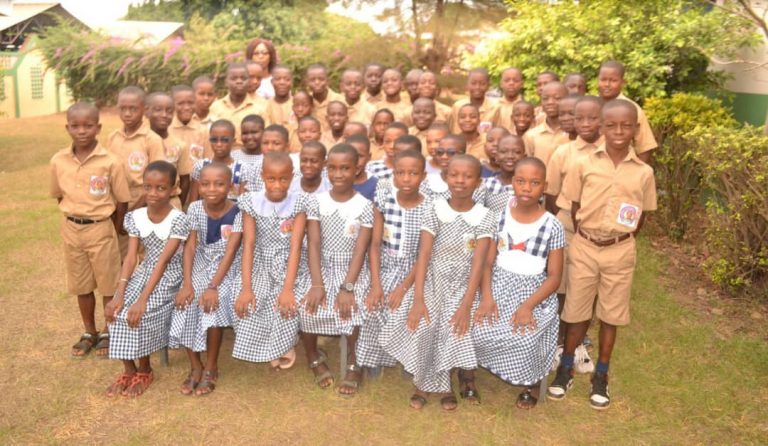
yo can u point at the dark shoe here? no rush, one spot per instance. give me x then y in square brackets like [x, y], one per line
[563, 381]
[599, 398]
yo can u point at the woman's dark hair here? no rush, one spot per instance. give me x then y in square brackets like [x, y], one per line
[270, 47]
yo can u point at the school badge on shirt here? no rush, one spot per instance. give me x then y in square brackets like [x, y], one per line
[226, 231]
[352, 228]
[628, 215]
[470, 243]
[196, 151]
[98, 185]
[172, 153]
[137, 161]
[286, 227]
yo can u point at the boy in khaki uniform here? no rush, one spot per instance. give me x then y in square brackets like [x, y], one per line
[423, 116]
[478, 82]
[238, 104]
[136, 146]
[317, 83]
[429, 88]
[358, 109]
[391, 87]
[373, 74]
[160, 112]
[610, 190]
[92, 192]
[205, 95]
[610, 81]
[511, 85]
[543, 139]
[280, 107]
[183, 127]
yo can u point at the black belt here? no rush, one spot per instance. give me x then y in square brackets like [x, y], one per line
[82, 221]
[607, 242]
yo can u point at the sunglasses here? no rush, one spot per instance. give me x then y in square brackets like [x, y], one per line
[443, 152]
[218, 139]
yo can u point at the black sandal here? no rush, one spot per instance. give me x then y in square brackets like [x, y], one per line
[351, 384]
[84, 345]
[449, 403]
[526, 400]
[417, 402]
[102, 345]
[471, 395]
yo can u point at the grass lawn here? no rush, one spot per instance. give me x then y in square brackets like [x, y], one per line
[675, 378]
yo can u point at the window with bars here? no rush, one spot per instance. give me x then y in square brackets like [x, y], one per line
[36, 81]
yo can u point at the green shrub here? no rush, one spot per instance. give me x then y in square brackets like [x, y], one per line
[678, 174]
[734, 166]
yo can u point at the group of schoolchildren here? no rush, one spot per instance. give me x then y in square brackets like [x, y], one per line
[431, 236]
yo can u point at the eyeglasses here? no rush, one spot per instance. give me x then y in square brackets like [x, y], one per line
[261, 52]
[217, 139]
[445, 152]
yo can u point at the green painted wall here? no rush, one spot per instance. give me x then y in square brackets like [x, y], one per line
[751, 108]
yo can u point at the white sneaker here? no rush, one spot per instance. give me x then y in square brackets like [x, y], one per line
[558, 354]
[582, 363]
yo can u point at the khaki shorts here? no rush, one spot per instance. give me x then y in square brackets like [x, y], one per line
[603, 272]
[92, 257]
[565, 218]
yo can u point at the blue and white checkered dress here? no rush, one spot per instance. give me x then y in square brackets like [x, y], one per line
[264, 335]
[241, 174]
[498, 194]
[152, 332]
[435, 187]
[189, 327]
[399, 247]
[379, 170]
[340, 225]
[433, 350]
[521, 359]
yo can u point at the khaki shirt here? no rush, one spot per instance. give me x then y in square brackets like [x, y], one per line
[361, 112]
[422, 135]
[195, 135]
[89, 189]
[541, 141]
[560, 164]
[136, 152]
[251, 105]
[502, 113]
[442, 114]
[539, 116]
[320, 109]
[377, 150]
[279, 113]
[177, 153]
[373, 100]
[486, 115]
[644, 139]
[401, 110]
[328, 140]
[612, 198]
[476, 148]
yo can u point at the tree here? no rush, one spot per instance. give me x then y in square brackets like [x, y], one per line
[665, 44]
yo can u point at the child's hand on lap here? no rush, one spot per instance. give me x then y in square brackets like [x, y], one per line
[244, 303]
[345, 305]
[395, 298]
[210, 300]
[487, 312]
[314, 298]
[523, 320]
[418, 311]
[286, 304]
[184, 297]
[375, 298]
[461, 321]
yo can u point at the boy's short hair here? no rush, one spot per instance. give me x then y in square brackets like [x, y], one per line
[549, 73]
[82, 106]
[362, 129]
[570, 75]
[620, 103]
[310, 118]
[344, 149]
[164, 167]
[510, 136]
[481, 71]
[237, 66]
[398, 125]
[522, 102]
[314, 145]
[277, 128]
[338, 103]
[215, 165]
[359, 139]
[410, 153]
[201, 80]
[477, 109]
[613, 65]
[383, 110]
[459, 157]
[532, 161]
[181, 88]
[411, 141]
[591, 99]
[226, 123]
[373, 64]
[573, 96]
[317, 66]
[253, 118]
[440, 125]
[459, 139]
[157, 94]
[277, 158]
[133, 90]
[281, 67]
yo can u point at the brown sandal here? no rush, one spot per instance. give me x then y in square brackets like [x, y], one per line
[139, 384]
[84, 345]
[189, 385]
[208, 383]
[120, 385]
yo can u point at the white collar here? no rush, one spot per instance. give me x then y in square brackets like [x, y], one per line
[145, 226]
[436, 183]
[447, 214]
[347, 210]
[263, 207]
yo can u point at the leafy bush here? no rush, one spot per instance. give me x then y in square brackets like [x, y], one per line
[664, 44]
[734, 165]
[678, 174]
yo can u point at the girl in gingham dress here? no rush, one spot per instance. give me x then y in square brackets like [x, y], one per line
[205, 303]
[338, 233]
[516, 325]
[397, 218]
[140, 313]
[510, 150]
[430, 334]
[274, 221]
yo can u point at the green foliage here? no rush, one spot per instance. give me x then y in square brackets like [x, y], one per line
[664, 44]
[734, 165]
[678, 174]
